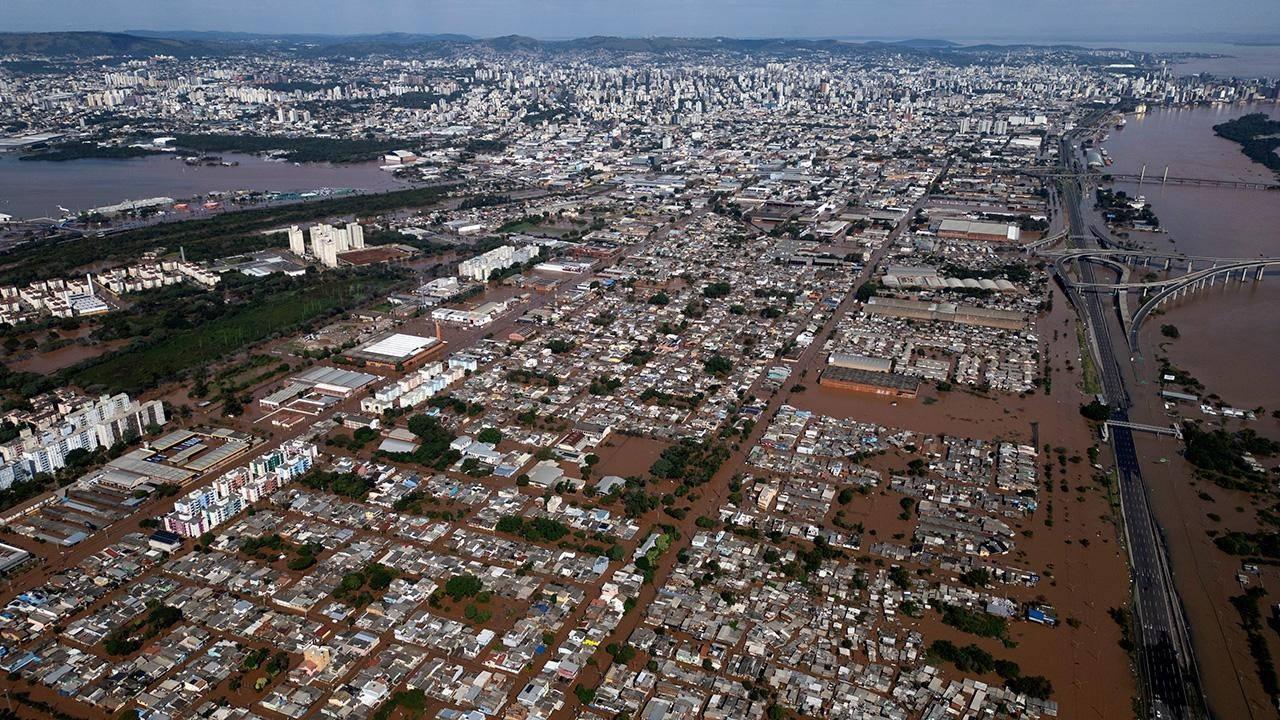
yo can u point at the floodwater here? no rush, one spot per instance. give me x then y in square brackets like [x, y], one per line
[1229, 335]
[37, 189]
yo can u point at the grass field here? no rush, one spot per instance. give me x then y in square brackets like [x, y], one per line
[139, 368]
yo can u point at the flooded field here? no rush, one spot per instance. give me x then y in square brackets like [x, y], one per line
[63, 357]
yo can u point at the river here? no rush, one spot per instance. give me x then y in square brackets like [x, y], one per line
[1230, 336]
[36, 189]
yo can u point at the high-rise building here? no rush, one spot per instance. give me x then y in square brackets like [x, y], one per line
[297, 243]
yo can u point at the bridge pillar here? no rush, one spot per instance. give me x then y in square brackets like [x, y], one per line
[1190, 267]
[1261, 268]
[1168, 263]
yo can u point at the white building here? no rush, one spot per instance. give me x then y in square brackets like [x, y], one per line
[86, 424]
[482, 267]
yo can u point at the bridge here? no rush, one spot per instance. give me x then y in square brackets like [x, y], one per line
[1198, 272]
[1171, 430]
[1193, 282]
[1142, 178]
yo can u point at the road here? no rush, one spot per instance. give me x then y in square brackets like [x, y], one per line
[1165, 655]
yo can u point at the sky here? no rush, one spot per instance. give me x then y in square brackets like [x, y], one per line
[960, 20]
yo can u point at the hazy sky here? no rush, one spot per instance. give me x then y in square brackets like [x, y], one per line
[954, 19]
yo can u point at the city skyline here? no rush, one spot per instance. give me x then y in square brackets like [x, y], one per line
[980, 21]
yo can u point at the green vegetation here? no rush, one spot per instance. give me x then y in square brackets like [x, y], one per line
[718, 365]
[1255, 544]
[1222, 453]
[348, 485]
[1096, 411]
[1117, 208]
[154, 360]
[973, 659]
[433, 448]
[1251, 620]
[1088, 371]
[267, 546]
[129, 638]
[87, 149]
[461, 587]
[716, 290]
[1170, 331]
[535, 530]
[690, 461]
[297, 149]
[405, 704]
[604, 385]
[1258, 136]
[975, 622]
[361, 587]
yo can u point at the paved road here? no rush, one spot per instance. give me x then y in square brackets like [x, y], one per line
[1165, 654]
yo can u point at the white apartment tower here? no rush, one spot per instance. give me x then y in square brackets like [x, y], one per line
[327, 242]
[297, 243]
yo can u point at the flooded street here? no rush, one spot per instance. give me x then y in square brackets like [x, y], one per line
[37, 188]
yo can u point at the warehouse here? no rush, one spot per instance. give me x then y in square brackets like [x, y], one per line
[946, 312]
[333, 381]
[978, 230]
[860, 362]
[394, 349]
[869, 381]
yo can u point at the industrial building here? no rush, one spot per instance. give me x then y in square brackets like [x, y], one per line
[392, 349]
[979, 230]
[869, 381]
[946, 312]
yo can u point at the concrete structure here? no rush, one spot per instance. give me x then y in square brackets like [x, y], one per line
[328, 242]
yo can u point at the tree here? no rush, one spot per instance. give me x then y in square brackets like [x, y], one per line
[1170, 331]
[716, 290]
[493, 436]
[460, 587]
[718, 365]
[1096, 411]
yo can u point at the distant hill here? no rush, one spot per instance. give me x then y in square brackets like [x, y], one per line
[195, 43]
[89, 44]
[304, 38]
